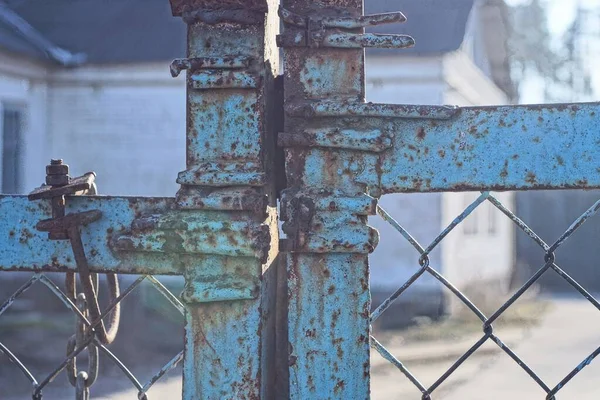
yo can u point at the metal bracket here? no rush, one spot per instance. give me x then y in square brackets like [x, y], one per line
[207, 73]
[317, 31]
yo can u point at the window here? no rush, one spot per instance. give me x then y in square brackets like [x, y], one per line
[492, 213]
[12, 144]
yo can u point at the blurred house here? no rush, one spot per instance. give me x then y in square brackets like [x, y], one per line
[88, 81]
[460, 58]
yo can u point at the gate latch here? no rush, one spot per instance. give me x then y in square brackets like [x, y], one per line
[63, 227]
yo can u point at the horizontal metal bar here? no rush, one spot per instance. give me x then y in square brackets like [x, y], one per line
[221, 79]
[23, 248]
[196, 63]
[224, 199]
[344, 40]
[495, 148]
[194, 233]
[351, 139]
[356, 109]
[220, 174]
[180, 7]
[363, 21]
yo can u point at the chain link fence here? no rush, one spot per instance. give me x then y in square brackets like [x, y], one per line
[86, 337]
[548, 264]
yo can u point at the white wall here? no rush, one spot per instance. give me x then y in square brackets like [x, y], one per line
[463, 259]
[405, 80]
[23, 83]
[484, 258]
[126, 123]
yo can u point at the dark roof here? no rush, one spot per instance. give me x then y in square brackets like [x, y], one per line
[115, 31]
[118, 31]
[438, 26]
[14, 42]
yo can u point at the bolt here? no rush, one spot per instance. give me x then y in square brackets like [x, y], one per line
[57, 174]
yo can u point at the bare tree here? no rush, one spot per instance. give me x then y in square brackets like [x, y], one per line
[561, 62]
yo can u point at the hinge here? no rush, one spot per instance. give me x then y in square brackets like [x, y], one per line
[316, 31]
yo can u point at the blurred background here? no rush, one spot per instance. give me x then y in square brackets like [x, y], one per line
[88, 81]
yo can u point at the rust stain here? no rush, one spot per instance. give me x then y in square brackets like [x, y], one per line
[531, 177]
[504, 172]
[25, 235]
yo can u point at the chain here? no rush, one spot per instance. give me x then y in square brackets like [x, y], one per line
[81, 380]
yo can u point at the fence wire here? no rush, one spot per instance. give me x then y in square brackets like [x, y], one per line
[487, 327]
[82, 390]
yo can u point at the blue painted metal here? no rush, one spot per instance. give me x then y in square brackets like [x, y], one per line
[333, 31]
[224, 80]
[325, 216]
[23, 248]
[496, 148]
[230, 62]
[478, 148]
[337, 147]
[341, 154]
[219, 230]
[225, 201]
[344, 22]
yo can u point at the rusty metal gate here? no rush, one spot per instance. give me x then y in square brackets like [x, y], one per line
[286, 318]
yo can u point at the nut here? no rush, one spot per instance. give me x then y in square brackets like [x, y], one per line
[57, 180]
[57, 169]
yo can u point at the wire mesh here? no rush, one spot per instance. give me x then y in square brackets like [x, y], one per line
[39, 385]
[487, 327]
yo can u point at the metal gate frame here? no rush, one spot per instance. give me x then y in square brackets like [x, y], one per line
[300, 328]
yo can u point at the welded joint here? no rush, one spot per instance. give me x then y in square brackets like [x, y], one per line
[325, 222]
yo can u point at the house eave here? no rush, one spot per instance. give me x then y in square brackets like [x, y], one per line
[55, 53]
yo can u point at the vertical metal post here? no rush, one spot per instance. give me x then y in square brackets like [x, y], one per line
[324, 207]
[232, 61]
